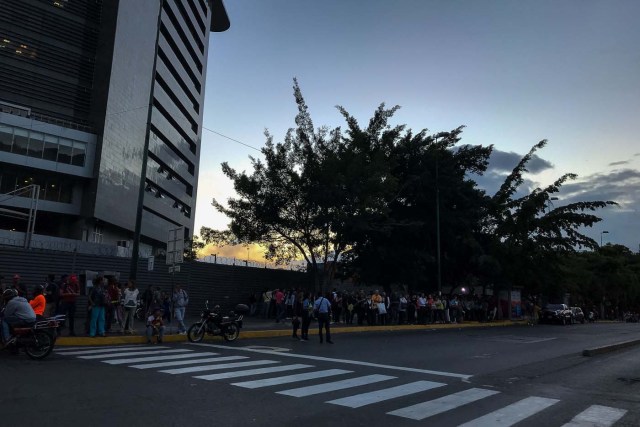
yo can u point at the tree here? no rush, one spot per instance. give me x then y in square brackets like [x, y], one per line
[527, 237]
[286, 204]
[401, 246]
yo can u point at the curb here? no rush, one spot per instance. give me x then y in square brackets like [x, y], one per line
[589, 352]
[139, 339]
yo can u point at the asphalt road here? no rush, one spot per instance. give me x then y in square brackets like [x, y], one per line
[524, 376]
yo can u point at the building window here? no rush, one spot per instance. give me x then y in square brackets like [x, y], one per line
[36, 144]
[50, 148]
[97, 234]
[20, 141]
[42, 146]
[6, 138]
[79, 154]
[65, 151]
[7, 182]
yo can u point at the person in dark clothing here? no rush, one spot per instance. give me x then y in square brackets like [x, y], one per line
[306, 317]
[51, 295]
[69, 291]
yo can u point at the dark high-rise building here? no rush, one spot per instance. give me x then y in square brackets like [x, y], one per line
[90, 90]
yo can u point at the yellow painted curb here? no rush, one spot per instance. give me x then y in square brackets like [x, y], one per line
[137, 339]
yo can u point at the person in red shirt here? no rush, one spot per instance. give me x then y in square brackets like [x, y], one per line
[280, 307]
[38, 303]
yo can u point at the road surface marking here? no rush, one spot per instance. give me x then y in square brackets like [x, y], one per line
[329, 359]
[364, 399]
[103, 350]
[87, 347]
[291, 378]
[133, 353]
[260, 371]
[512, 414]
[218, 366]
[336, 385]
[596, 416]
[156, 358]
[187, 362]
[446, 403]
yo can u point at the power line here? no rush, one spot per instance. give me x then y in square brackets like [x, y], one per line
[231, 139]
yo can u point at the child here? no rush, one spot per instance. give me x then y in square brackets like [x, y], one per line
[155, 325]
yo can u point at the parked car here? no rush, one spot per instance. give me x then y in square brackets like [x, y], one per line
[556, 313]
[577, 315]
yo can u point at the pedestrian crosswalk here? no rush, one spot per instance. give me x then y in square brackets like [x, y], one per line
[347, 388]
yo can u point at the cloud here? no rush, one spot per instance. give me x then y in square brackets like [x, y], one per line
[622, 221]
[503, 161]
[620, 163]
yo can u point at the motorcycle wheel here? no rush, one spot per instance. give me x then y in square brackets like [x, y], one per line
[231, 332]
[196, 332]
[41, 347]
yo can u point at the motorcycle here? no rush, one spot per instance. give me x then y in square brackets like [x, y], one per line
[37, 340]
[213, 323]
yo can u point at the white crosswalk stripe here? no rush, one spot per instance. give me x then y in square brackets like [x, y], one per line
[514, 413]
[187, 362]
[249, 372]
[156, 358]
[597, 416]
[364, 399]
[336, 385]
[218, 366]
[104, 350]
[175, 361]
[267, 382]
[133, 353]
[446, 403]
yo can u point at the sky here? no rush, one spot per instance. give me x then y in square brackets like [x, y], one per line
[512, 72]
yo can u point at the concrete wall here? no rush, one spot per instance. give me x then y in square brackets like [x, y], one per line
[221, 284]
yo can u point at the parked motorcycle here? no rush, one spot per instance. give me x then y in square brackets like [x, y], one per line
[37, 340]
[213, 323]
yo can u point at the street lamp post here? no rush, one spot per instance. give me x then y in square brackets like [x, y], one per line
[601, 233]
[215, 258]
[550, 203]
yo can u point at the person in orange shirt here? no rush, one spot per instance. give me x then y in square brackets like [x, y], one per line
[38, 303]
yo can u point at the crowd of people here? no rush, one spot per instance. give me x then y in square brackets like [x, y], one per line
[111, 306]
[374, 307]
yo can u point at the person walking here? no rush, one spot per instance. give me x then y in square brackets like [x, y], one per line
[322, 308]
[130, 305]
[180, 301]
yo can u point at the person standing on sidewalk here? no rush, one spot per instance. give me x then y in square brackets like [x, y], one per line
[69, 291]
[51, 296]
[280, 307]
[130, 305]
[306, 317]
[98, 299]
[180, 301]
[322, 307]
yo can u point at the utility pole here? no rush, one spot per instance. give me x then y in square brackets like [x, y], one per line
[438, 221]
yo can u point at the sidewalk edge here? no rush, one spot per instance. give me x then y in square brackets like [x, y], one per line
[250, 334]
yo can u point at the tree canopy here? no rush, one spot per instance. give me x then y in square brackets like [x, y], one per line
[372, 198]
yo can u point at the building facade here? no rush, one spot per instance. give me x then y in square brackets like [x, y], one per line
[90, 91]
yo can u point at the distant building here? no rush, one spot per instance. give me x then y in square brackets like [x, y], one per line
[81, 84]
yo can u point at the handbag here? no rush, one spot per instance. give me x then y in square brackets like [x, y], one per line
[382, 309]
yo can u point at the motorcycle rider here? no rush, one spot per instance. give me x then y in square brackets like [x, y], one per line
[17, 313]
